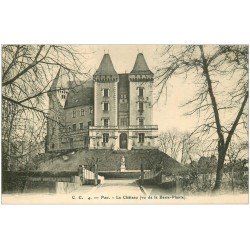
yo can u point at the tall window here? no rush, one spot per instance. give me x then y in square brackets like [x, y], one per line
[81, 126]
[140, 106]
[85, 140]
[105, 138]
[140, 92]
[106, 92]
[71, 142]
[74, 127]
[141, 137]
[82, 112]
[124, 121]
[106, 122]
[74, 114]
[141, 122]
[123, 98]
[105, 106]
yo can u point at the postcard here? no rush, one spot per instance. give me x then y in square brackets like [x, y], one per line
[125, 124]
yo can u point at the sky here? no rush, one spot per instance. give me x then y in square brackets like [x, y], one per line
[167, 112]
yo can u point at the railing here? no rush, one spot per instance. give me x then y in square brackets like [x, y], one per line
[103, 127]
[142, 127]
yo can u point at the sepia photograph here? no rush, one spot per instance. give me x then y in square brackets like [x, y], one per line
[125, 124]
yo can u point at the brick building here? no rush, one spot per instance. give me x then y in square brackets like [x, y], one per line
[111, 111]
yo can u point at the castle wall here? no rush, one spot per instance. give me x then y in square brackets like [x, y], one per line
[77, 137]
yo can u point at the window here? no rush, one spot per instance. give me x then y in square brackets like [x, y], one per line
[141, 122]
[74, 127]
[141, 137]
[105, 138]
[106, 92]
[105, 106]
[91, 110]
[106, 122]
[124, 121]
[85, 140]
[81, 126]
[140, 106]
[71, 142]
[74, 114]
[82, 112]
[69, 129]
[52, 145]
[89, 123]
[140, 92]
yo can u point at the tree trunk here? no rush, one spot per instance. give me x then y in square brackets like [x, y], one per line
[220, 169]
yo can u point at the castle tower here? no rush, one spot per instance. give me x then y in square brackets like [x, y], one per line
[141, 101]
[57, 97]
[105, 105]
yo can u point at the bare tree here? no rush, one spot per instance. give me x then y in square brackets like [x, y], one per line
[220, 73]
[27, 74]
[181, 146]
[170, 143]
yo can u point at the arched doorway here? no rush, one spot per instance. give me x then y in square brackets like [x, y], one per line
[123, 141]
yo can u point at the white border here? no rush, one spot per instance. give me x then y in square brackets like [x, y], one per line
[124, 227]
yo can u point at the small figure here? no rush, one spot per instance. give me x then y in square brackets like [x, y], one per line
[123, 167]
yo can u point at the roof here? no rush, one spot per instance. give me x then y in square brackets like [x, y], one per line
[141, 66]
[80, 94]
[60, 81]
[106, 67]
[55, 81]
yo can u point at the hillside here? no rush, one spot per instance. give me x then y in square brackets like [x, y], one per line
[109, 160]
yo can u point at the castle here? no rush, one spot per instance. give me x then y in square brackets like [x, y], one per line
[110, 111]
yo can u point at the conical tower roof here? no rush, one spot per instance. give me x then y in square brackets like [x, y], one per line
[141, 66]
[61, 80]
[55, 81]
[106, 67]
